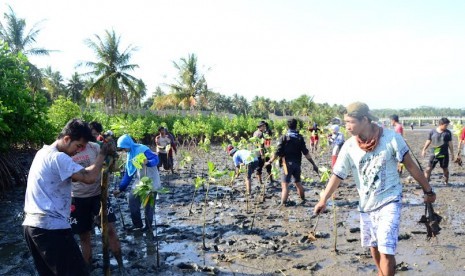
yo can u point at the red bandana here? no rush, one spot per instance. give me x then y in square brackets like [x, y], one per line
[372, 141]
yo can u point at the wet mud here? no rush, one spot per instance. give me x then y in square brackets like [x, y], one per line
[250, 237]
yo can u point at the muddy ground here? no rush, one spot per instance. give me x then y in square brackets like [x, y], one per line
[273, 242]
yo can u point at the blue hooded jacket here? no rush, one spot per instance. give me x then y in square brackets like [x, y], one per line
[126, 142]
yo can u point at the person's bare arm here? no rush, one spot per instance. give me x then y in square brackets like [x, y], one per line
[423, 151]
[332, 185]
[418, 175]
[451, 148]
[90, 174]
[310, 159]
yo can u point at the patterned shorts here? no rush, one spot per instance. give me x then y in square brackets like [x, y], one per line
[380, 228]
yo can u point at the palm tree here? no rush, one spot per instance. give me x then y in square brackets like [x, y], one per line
[135, 97]
[189, 83]
[303, 105]
[110, 69]
[75, 88]
[13, 31]
[240, 104]
[53, 82]
[284, 107]
[259, 107]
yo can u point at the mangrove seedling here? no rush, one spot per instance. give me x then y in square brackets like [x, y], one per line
[199, 182]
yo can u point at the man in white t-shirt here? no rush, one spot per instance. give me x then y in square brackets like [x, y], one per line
[371, 156]
[86, 204]
[48, 201]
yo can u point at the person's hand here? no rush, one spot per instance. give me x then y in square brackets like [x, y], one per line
[423, 153]
[116, 192]
[267, 163]
[458, 160]
[429, 197]
[108, 149]
[399, 167]
[319, 207]
[315, 169]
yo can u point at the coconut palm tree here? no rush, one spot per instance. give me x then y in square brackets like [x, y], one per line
[240, 104]
[19, 40]
[303, 105]
[189, 83]
[13, 31]
[135, 97]
[259, 107]
[75, 88]
[53, 82]
[111, 67]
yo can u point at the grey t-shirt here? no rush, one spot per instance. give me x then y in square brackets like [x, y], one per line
[86, 158]
[440, 142]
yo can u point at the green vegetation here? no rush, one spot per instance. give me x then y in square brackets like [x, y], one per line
[36, 103]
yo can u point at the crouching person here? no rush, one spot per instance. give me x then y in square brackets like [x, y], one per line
[247, 158]
[149, 169]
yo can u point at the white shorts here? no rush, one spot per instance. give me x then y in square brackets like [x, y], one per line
[380, 228]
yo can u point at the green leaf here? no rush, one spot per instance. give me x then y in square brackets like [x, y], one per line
[163, 190]
[211, 167]
[199, 181]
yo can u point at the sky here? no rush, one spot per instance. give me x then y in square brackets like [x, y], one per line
[389, 54]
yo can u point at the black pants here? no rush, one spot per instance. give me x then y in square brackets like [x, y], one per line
[55, 252]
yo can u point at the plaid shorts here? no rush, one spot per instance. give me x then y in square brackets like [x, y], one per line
[380, 228]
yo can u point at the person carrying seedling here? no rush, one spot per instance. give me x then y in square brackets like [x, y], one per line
[336, 140]
[263, 132]
[48, 200]
[290, 148]
[371, 156]
[85, 204]
[141, 161]
[165, 147]
[440, 139]
[247, 158]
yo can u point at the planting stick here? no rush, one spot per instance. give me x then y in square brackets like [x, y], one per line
[192, 202]
[204, 217]
[119, 205]
[335, 225]
[256, 203]
[104, 215]
[156, 231]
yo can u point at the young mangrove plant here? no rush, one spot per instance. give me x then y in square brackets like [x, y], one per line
[199, 182]
[213, 177]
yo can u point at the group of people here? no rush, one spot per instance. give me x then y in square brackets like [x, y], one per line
[63, 194]
[372, 156]
[289, 151]
[63, 191]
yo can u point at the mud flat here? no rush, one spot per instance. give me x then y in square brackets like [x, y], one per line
[262, 239]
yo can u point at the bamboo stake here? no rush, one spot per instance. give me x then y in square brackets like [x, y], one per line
[335, 224]
[104, 215]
